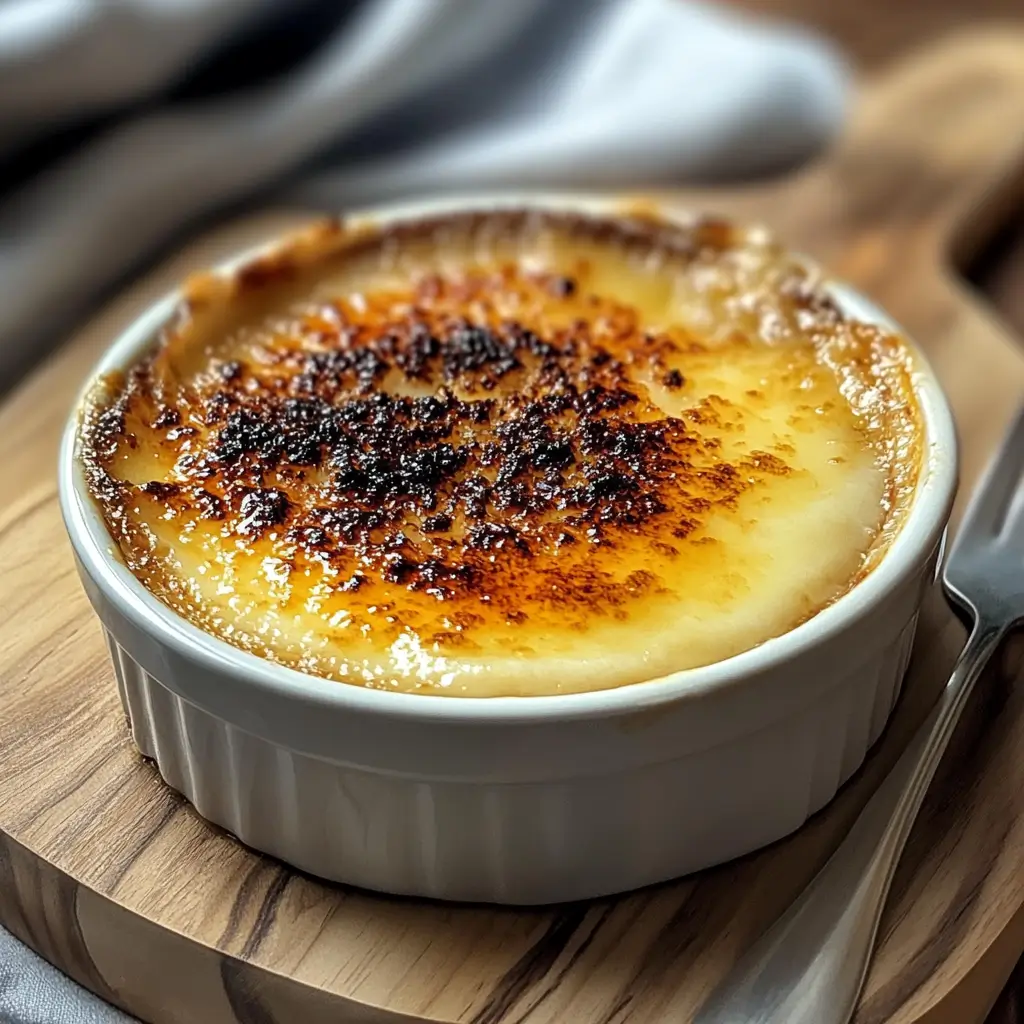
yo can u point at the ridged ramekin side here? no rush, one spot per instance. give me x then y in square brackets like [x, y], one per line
[518, 843]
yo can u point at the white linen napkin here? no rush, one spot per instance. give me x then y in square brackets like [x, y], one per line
[163, 112]
[399, 97]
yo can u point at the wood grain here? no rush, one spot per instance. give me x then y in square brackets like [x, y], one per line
[113, 877]
[877, 32]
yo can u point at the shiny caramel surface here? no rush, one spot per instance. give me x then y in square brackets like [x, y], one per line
[507, 453]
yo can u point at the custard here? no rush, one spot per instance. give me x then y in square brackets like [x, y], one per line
[507, 453]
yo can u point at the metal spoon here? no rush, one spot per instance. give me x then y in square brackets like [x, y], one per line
[810, 965]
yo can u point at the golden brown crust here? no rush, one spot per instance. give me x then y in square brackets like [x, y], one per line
[420, 440]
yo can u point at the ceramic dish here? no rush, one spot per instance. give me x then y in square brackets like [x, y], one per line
[516, 799]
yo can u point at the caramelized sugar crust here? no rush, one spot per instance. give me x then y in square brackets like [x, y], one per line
[479, 453]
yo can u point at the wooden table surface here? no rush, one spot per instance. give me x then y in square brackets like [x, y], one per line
[874, 32]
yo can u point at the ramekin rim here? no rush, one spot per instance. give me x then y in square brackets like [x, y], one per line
[918, 536]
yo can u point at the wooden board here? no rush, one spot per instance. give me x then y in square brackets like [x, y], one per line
[111, 876]
[874, 32]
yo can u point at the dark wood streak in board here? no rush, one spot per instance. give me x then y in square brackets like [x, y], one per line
[267, 913]
[670, 949]
[243, 902]
[552, 985]
[242, 994]
[673, 939]
[218, 945]
[144, 839]
[40, 908]
[532, 966]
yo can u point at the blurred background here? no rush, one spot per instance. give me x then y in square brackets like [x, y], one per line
[128, 125]
[875, 32]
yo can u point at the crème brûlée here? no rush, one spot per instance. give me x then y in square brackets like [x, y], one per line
[512, 452]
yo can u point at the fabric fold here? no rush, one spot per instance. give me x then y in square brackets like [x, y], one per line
[405, 97]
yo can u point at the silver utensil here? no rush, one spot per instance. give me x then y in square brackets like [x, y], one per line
[810, 965]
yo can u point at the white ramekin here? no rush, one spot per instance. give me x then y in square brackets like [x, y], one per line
[515, 800]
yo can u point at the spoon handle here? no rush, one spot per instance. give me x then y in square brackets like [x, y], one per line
[810, 965]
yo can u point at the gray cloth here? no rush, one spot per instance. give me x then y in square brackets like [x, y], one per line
[33, 992]
[124, 121]
[399, 97]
